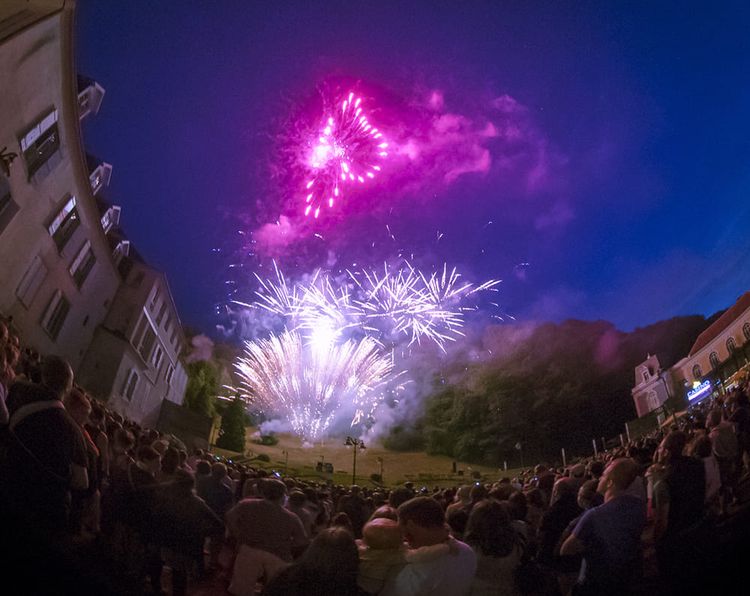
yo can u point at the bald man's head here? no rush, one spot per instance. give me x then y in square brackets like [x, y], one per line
[619, 475]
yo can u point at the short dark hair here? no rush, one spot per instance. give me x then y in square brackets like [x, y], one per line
[272, 489]
[342, 520]
[596, 468]
[399, 496]
[332, 559]
[702, 447]
[219, 470]
[426, 512]
[457, 520]
[147, 453]
[57, 374]
[489, 529]
[478, 493]
[97, 413]
[297, 498]
[674, 443]
[501, 492]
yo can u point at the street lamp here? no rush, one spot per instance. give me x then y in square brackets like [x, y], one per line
[380, 461]
[357, 444]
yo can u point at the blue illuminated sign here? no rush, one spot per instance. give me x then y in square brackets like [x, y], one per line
[700, 391]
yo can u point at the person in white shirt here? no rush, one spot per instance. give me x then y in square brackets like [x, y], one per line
[438, 573]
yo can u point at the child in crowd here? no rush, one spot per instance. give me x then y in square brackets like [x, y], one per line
[382, 553]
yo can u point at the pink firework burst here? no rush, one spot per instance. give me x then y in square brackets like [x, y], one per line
[348, 150]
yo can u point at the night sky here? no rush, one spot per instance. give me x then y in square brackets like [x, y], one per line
[609, 146]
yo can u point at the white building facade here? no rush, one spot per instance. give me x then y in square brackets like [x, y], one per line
[134, 361]
[57, 271]
[70, 282]
[653, 386]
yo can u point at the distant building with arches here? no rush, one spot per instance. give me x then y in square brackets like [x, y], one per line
[711, 367]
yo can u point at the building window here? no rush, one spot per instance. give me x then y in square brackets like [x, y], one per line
[121, 251]
[746, 331]
[147, 343]
[731, 346]
[167, 324]
[138, 333]
[82, 264]
[65, 223]
[174, 336]
[156, 360]
[83, 104]
[169, 374]
[645, 376]
[40, 144]
[154, 300]
[31, 281]
[130, 385]
[714, 360]
[111, 218]
[8, 207]
[697, 372]
[55, 314]
[162, 312]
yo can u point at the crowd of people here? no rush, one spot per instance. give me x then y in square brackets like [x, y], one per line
[94, 503]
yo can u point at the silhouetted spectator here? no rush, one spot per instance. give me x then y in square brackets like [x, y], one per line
[564, 510]
[184, 522]
[400, 495]
[329, 566]
[46, 456]
[267, 536]
[679, 512]
[498, 548]
[356, 508]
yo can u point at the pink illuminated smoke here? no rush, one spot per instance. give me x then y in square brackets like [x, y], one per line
[347, 150]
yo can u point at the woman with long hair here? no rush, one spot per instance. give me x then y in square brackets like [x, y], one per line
[498, 547]
[328, 567]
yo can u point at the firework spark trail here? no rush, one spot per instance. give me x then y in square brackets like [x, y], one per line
[347, 150]
[396, 301]
[310, 306]
[314, 368]
[309, 382]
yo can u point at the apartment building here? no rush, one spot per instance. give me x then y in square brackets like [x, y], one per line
[69, 277]
[133, 362]
[58, 271]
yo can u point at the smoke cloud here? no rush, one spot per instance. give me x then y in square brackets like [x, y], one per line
[203, 348]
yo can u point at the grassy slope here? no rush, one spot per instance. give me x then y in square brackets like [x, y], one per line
[398, 467]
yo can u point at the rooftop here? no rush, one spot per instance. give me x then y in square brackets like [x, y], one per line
[726, 319]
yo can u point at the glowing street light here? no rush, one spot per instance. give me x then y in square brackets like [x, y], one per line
[357, 444]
